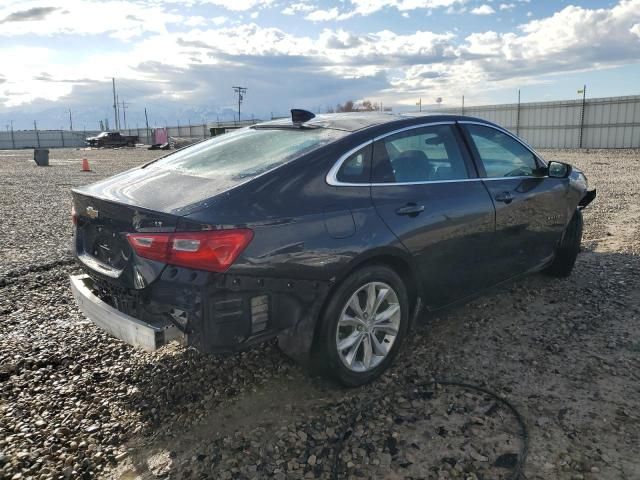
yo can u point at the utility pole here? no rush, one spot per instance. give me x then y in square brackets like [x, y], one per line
[462, 104]
[124, 113]
[584, 98]
[420, 105]
[115, 103]
[146, 119]
[240, 91]
[13, 142]
[70, 121]
[117, 113]
[518, 116]
[35, 127]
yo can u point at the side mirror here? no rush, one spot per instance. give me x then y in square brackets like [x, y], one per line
[559, 169]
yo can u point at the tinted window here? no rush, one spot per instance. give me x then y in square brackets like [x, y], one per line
[419, 155]
[247, 152]
[356, 168]
[501, 155]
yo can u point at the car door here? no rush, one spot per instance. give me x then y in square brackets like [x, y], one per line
[530, 206]
[426, 190]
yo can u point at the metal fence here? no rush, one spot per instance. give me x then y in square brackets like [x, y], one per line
[612, 122]
[42, 138]
[194, 132]
[17, 139]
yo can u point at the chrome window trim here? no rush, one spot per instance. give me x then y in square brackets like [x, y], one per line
[508, 133]
[334, 182]
[412, 127]
[331, 177]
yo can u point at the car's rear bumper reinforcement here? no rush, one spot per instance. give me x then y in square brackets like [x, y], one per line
[125, 327]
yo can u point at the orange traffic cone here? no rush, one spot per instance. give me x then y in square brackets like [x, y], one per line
[85, 165]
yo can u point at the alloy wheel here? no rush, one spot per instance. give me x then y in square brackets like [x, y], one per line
[368, 327]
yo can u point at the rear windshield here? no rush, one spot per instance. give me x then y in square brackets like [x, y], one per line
[247, 152]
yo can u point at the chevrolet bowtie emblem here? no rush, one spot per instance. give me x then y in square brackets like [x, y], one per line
[92, 212]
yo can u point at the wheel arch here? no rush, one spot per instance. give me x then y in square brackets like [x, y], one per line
[393, 258]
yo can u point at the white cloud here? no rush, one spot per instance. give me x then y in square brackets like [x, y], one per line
[570, 39]
[240, 5]
[369, 7]
[483, 10]
[323, 15]
[636, 29]
[507, 6]
[195, 21]
[297, 7]
[118, 19]
[220, 20]
[366, 7]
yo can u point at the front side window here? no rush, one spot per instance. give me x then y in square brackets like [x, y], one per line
[501, 155]
[425, 154]
[247, 152]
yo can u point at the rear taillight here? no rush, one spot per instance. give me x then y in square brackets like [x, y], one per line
[212, 250]
[74, 215]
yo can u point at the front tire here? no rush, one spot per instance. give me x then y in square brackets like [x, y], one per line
[364, 325]
[568, 248]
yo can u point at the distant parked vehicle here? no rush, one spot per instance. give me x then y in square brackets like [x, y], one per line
[332, 233]
[111, 140]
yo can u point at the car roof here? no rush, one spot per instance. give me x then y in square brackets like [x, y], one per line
[354, 121]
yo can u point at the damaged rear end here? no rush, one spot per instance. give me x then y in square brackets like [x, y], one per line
[149, 277]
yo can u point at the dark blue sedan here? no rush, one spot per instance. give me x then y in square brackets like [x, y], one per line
[329, 232]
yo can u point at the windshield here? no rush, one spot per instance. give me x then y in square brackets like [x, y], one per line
[247, 152]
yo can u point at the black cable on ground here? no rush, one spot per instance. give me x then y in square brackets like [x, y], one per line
[517, 470]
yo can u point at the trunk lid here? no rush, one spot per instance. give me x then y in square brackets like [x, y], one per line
[158, 190]
[100, 240]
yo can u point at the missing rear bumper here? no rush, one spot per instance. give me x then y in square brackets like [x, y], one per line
[131, 330]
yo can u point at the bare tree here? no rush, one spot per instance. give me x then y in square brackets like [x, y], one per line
[348, 106]
[364, 106]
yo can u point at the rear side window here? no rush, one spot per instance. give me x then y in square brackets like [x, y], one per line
[425, 154]
[501, 155]
[356, 168]
[247, 152]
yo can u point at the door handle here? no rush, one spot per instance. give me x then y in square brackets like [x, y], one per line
[505, 197]
[411, 209]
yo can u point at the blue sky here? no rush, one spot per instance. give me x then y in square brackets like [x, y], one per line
[180, 59]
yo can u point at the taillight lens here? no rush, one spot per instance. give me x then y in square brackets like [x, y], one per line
[212, 250]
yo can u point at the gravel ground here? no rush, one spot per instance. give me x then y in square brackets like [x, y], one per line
[75, 403]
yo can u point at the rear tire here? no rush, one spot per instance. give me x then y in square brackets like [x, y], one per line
[568, 248]
[363, 325]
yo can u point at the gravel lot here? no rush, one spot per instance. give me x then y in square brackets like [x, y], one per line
[75, 403]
